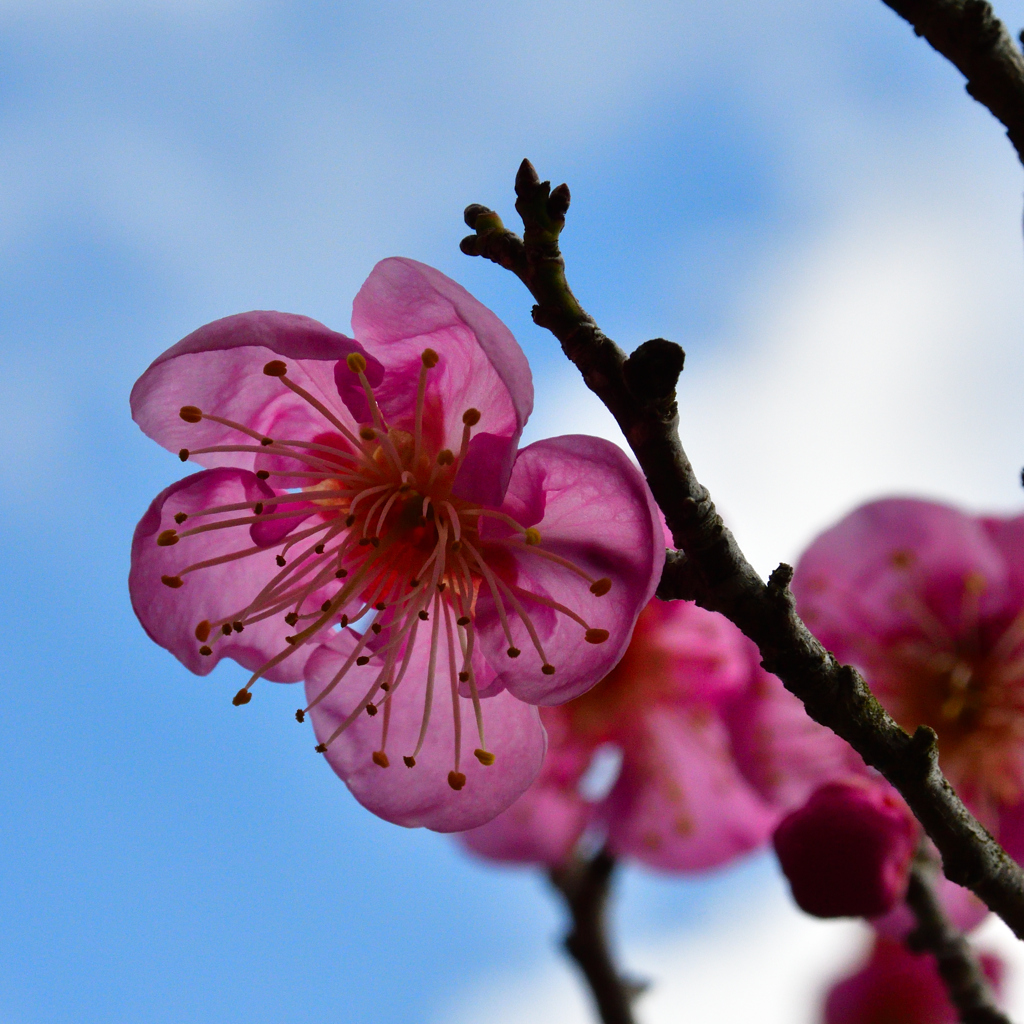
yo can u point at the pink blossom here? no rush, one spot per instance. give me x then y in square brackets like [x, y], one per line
[847, 851]
[896, 986]
[928, 602]
[380, 478]
[696, 721]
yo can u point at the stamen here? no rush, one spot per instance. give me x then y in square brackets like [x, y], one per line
[172, 581]
[167, 537]
[456, 780]
[203, 631]
[190, 413]
[485, 757]
[380, 758]
[601, 587]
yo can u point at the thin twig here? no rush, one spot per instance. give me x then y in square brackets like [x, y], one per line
[585, 883]
[968, 34]
[640, 393]
[958, 967]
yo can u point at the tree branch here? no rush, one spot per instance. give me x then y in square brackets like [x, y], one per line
[640, 393]
[958, 967]
[968, 34]
[585, 885]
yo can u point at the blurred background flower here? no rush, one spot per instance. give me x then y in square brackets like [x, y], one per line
[800, 194]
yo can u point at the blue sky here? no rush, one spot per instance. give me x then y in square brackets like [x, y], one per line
[799, 193]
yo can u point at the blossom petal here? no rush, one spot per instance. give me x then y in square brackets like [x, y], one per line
[421, 796]
[170, 615]
[405, 307]
[219, 369]
[680, 804]
[592, 507]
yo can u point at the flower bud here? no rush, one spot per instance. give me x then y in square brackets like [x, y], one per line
[847, 851]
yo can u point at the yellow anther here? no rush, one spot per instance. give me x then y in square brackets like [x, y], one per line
[190, 414]
[203, 631]
[183, 454]
[167, 538]
[172, 581]
[371, 709]
[276, 368]
[410, 762]
[367, 433]
[380, 758]
[485, 757]
[471, 417]
[205, 651]
[532, 536]
[180, 517]
[548, 670]
[601, 587]
[430, 358]
[356, 362]
[596, 636]
[445, 457]
[456, 780]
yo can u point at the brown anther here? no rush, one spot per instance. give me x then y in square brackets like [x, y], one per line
[326, 606]
[362, 660]
[242, 697]
[532, 536]
[457, 546]
[376, 627]
[266, 441]
[485, 757]
[180, 517]
[364, 542]
[385, 687]
[280, 561]
[183, 454]
[172, 581]
[167, 538]
[356, 362]
[341, 574]
[380, 606]
[410, 762]
[344, 621]
[371, 709]
[205, 651]
[300, 715]
[291, 618]
[321, 748]
[445, 457]
[258, 508]
[463, 676]
[238, 626]
[440, 587]
[462, 620]
[414, 583]
[471, 417]
[349, 520]
[375, 541]
[367, 433]
[513, 652]
[456, 780]
[226, 629]
[275, 368]
[601, 587]
[423, 614]
[203, 631]
[430, 358]
[380, 758]
[319, 549]
[263, 474]
[190, 414]
[289, 640]
[596, 636]
[548, 670]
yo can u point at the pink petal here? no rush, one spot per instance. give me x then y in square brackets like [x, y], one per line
[962, 907]
[541, 827]
[405, 307]
[680, 804]
[421, 796]
[170, 616]
[219, 369]
[867, 579]
[592, 507]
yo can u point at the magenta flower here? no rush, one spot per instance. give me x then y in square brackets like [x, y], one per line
[896, 986]
[379, 478]
[928, 602]
[695, 721]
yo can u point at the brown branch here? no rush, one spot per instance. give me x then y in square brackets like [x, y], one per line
[958, 967]
[586, 884]
[969, 35]
[640, 393]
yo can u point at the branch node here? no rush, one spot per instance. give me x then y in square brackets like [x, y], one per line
[652, 371]
[779, 581]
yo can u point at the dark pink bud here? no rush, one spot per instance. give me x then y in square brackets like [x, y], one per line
[847, 851]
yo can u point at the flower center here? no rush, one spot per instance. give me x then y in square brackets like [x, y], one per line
[386, 538]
